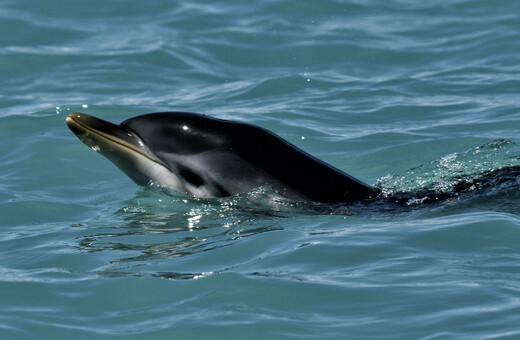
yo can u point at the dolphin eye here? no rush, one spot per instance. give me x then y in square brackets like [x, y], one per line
[191, 177]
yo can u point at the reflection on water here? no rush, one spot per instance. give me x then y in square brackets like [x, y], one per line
[164, 275]
[158, 225]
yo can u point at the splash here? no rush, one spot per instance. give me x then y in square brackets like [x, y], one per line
[494, 166]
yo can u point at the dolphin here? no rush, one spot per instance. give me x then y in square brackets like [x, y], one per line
[208, 157]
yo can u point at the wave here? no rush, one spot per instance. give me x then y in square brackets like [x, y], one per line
[492, 166]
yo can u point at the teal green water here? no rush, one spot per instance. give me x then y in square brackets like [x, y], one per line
[406, 95]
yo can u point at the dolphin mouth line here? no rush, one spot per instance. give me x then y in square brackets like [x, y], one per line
[70, 120]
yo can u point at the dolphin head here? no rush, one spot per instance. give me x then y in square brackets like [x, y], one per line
[188, 152]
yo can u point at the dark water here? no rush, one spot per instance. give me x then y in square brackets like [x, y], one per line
[419, 99]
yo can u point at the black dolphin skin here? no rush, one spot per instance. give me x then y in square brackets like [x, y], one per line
[208, 157]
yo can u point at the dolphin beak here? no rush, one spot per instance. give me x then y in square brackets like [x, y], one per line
[121, 146]
[91, 130]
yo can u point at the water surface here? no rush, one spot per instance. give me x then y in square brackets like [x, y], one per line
[404, 95]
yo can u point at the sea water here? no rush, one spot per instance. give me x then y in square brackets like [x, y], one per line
[409, 96]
